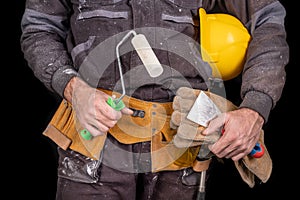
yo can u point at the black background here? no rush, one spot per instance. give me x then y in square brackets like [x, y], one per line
[31, 163]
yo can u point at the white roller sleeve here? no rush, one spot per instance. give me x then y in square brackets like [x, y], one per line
[147, 55]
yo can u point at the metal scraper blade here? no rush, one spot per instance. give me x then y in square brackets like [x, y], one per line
[203, 110]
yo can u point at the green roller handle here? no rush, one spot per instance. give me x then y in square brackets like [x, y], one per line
[85, 134]
[115, 104]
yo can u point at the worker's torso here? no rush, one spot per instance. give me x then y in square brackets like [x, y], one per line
[170, 26]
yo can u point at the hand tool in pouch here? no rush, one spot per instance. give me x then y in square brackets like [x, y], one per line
[202, 111]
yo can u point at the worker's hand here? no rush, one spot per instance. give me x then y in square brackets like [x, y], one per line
[240, 128]
[233, 134]
[91, 108]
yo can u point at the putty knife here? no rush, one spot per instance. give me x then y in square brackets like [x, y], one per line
[203, 110]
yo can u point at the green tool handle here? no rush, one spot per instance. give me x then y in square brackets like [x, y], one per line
[85, 134]
[116, 104]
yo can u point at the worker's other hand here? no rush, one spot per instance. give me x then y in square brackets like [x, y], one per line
[240, 128]
[91, 107]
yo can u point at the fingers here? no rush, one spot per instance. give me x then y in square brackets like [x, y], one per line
[182, 104]
[96, 126]
[226, 146]
[177, 117]
[215, 125]
[234, 150]
[95, 129]
[184, 143]
[127, 111]
[106, 115]
[233, 133]
[239, 134]
[99, 117]
[187, 93]
[190, 132]
[99, 124]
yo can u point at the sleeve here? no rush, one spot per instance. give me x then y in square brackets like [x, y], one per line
[264, 75]
[45, 27]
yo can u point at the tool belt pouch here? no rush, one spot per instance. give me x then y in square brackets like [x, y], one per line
[166, 156]
[154, 127]
[64, 131]
[250, 167]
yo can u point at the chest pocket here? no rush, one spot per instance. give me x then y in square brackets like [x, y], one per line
[181, 14]
[102, 18]
[99, 2]
[95, 21]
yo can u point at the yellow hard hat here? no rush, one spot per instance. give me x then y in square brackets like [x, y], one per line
[224, 42]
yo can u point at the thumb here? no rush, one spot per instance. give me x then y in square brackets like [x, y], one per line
[127, 111]
[215, 125]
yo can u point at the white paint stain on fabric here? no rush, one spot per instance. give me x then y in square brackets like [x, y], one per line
[70, 71]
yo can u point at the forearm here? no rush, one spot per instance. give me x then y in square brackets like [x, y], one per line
[264, 73]
[259, 102]
[70, 87]
[43, 44]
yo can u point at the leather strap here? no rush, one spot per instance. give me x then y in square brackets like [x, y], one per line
[201, 165]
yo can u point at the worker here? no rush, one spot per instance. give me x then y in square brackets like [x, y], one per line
[134, 151]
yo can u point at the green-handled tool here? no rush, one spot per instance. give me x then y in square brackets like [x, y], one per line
[150, 61]
[203, 110]
[116, 104]
[203, 155]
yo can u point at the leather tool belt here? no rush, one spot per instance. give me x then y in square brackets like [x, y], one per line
[153, 126]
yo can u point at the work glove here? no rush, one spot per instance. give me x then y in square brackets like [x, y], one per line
[189, 133]
[249, 167]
